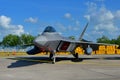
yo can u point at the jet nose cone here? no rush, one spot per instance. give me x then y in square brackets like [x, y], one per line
[33, 51]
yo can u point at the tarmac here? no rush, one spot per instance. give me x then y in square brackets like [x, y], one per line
[94, 67]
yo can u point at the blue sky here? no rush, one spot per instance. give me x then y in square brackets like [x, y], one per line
[68, 17]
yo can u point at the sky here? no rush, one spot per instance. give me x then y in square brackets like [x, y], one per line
[68, 17]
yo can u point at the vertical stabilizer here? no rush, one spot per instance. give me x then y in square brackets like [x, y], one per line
[81, 36]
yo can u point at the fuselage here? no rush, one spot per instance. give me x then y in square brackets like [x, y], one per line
[48, 40]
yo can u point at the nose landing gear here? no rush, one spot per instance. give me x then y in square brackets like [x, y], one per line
[52, 56]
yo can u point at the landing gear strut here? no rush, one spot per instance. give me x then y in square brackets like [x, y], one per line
[76, 56]
[76, 59]
[52, 56]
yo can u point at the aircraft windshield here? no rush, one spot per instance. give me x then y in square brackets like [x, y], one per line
[49, 29]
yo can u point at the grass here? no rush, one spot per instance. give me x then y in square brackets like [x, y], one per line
[7, 54]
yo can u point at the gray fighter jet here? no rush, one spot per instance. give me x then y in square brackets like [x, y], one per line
[51, 41]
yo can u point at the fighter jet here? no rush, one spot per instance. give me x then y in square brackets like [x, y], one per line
[51, 41]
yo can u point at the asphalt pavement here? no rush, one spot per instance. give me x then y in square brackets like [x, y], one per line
[100, 67]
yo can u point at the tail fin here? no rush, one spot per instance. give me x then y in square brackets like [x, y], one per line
[80, 38]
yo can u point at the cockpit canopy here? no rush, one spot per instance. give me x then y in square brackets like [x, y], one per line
[49, 29]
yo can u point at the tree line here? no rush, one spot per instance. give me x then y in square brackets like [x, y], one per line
[15, 40]
[105, 39]
[27, 39]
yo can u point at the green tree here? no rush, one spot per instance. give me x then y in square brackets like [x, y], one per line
[0, 43]
[72, 37]
[26, 39]
[11, 40]
[113, 41]
[118, 40]
[103, 39]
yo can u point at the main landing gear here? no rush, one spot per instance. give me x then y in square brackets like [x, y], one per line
[52, 56]
[76, 59]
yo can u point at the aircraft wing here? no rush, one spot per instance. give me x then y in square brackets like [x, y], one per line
[69, 45]
[83, 42]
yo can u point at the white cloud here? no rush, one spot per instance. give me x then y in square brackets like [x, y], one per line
[7, 28]
[61, 26]
[66, 28]
[18, 29]
[91, 6]
[103, 20]
[104, 15]
[31, 20]
[74, 23]
[4, 21]
[77, 23]
[109, 27]
[68, 15]
[117, 14]
[87, 17]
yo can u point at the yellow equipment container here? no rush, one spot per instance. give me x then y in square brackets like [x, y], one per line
[79, 50]
[100, 52]
[117, 51]
[102, 48]
[110, 49]
[62, 53]
[93, 52]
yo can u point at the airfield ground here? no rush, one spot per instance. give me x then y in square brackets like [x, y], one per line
[97, 67]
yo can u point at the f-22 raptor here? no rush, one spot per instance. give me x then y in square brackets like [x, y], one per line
[51, 41]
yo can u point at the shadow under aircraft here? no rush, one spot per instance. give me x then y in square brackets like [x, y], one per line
[51, 41]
